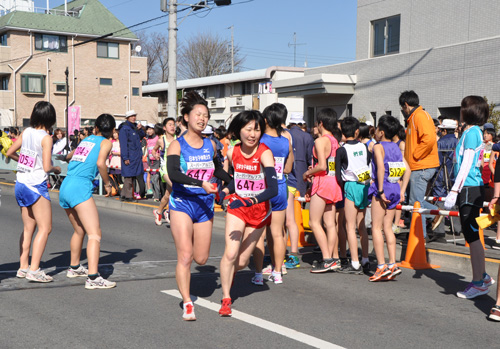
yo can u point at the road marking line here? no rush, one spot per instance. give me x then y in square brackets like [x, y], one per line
[461, 255]
[267, 325]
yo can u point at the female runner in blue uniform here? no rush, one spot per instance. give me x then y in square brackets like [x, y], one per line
[34, 162]
[281, 148]
[191, 163]
[88, 159]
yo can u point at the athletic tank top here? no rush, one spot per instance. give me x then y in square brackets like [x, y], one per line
[163, 153]
[195, 163]
[280, 147]
[249, 178]
[358, 169]
[83, 164]
[330, 161]
[393, 163]
[30, 165]
[150, 143]
[115, 161]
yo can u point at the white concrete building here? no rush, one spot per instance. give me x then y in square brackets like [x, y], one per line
[443, 50]
[229, 94]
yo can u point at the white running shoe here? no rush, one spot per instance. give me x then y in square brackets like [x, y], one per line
[166, 215]
[99, 283]
[258, 279]
[488, 281]
[73, 273]
[188, 313]
[276, 278]
[21, 273]
[267, 270]
[473, 291]
[38, 276]
[157, 217]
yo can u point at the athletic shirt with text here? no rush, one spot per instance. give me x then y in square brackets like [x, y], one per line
[195, 163]
[30, 165]
[163, 152]
[280, 147]
[249, 178]
[358, 169]
[83, 164]
[393, 163]
[330, 161]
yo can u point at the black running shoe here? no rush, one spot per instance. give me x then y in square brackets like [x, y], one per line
[366, 267]
[350, 270]
[322, 267]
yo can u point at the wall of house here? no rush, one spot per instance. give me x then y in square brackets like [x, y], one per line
[93, 98]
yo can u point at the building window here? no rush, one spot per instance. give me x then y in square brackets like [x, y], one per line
[3, 39]
[44, 42]
[107, 50]
[385, 35]
[33, 83]
[388, 112]
[60, 87]
[135, 91]
[106, 82]
[5, 83]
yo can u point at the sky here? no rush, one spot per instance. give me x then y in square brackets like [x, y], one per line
[263, 29]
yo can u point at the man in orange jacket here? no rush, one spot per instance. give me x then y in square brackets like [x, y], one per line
[421, 150]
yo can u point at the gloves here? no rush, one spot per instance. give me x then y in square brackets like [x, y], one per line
[219, 197]
[240, 203]
[450, 200]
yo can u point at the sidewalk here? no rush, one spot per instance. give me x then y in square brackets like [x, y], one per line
[447, 255]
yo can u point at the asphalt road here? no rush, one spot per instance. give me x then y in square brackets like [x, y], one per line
[418, 310]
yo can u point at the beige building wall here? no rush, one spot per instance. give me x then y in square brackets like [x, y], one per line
[85, 71]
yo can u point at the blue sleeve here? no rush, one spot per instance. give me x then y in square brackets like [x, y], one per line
[473, 139]
[496, 147]
[124, 151]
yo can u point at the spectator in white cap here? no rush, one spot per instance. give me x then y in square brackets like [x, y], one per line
[444, 181]
[131, 156]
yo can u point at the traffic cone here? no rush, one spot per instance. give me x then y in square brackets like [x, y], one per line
[299, 219]
[481, 233]
[416, 257]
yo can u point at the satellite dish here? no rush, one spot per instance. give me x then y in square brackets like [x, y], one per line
[138, 49]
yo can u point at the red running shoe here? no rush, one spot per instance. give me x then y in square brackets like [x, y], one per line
[225, 309]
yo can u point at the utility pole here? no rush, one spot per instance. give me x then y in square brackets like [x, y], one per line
[232, 48]
[172, 59]
[295, 48]
[66, 72]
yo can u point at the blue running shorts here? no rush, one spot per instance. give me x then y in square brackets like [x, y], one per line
[28, 195]
[200, 208]
[280, 201]
[74, 191]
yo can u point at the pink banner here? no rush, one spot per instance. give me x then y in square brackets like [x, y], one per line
[73, 119]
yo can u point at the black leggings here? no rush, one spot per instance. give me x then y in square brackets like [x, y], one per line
[470, 201]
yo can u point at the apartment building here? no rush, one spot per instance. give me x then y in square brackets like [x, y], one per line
[82, 36]
[443, 50]
[229, 94]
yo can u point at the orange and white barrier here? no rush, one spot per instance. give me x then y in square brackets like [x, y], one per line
[151, 170]
[441, 199]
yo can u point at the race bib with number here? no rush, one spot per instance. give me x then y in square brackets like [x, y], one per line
[396, 171]
[487, 155]
[331, 166]
[203, 171]
[363, 174]
[82, 151]
[279, 163]
[27, 161]
[249, 185]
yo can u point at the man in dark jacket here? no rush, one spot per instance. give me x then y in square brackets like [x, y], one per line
[131, 156]
[302, 150]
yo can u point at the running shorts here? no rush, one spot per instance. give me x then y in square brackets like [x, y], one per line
[74, 191]
[280, 201]
[255, 216]
[200, 208]
[28, 195]
[357, 193]
[470, 202]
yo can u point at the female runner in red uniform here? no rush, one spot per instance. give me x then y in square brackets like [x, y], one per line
[248, 213]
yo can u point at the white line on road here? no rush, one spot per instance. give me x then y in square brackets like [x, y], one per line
[267, 325]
